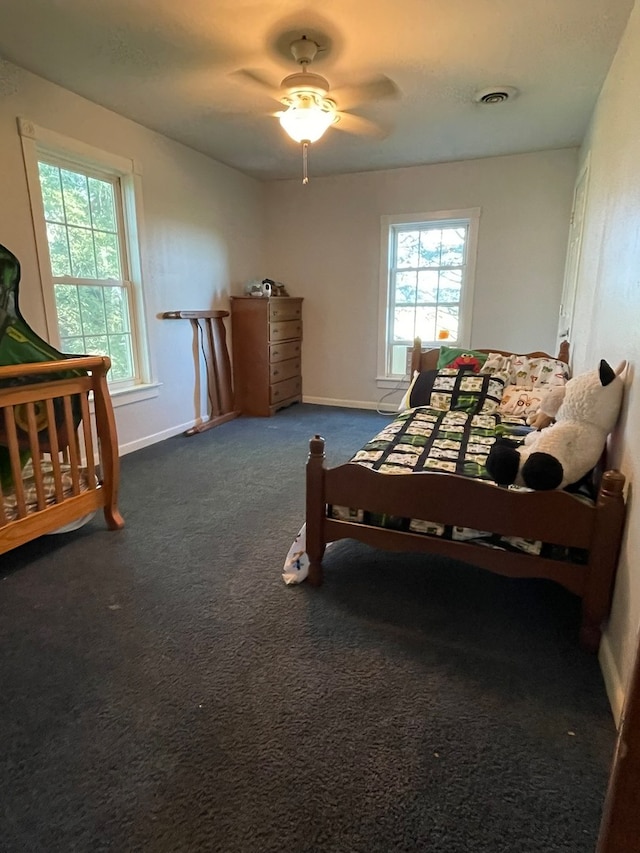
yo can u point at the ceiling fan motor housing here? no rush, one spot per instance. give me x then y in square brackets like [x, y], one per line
[304, 50]
[305, 81]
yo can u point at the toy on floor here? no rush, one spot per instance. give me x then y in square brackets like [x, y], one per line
[563, 453]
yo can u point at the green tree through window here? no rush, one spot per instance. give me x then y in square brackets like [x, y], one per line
[427, 265]
[88, 265]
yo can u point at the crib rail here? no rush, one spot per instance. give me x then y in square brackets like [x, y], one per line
[58, 446]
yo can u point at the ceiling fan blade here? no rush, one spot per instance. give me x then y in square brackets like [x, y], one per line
[348, 97]
[256, 80]
[349, 123]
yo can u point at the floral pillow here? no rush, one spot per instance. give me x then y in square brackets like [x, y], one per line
[526, 372]
[537, 372]
[521, 402]
[457, 390]
[498, 365]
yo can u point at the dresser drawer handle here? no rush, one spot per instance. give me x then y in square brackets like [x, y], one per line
[276, 352]
[276, 372]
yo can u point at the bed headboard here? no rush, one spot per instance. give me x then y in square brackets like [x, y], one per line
[428, 359]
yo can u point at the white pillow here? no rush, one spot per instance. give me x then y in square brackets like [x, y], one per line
[404, 403]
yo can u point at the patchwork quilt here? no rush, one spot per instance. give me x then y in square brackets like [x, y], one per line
[454, 442]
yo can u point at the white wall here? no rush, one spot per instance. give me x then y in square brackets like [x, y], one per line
[202, 236]
[323, 242]
[607, 315]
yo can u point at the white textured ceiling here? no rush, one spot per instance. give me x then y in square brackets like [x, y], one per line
[169, 66]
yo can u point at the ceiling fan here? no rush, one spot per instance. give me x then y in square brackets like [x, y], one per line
[309, 112]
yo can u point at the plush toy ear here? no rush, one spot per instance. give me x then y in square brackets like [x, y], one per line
[606, 373]
[620, 367]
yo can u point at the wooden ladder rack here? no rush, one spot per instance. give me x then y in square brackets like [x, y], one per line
[218, 366]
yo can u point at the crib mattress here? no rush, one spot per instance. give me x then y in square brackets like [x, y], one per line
[10, 502]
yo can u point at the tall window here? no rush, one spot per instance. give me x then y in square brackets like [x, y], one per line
[428, 279]
[89, 267]
[87, 215]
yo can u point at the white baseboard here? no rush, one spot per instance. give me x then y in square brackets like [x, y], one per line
[347, 404]
[148, 440]
[612, 681]
[154, 438]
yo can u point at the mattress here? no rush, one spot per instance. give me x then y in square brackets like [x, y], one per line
[453, 442]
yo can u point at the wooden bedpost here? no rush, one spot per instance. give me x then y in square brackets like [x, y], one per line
[416, 354]
[563, 352]
[603, 558]
[316, 509]
[108, 439]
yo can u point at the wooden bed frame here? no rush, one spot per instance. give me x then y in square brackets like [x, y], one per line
[557, 517]
[51, 417]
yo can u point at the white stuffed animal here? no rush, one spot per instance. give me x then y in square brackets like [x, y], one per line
[549, 407]
[561, 454]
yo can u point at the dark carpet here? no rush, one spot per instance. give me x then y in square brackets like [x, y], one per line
[163, 690]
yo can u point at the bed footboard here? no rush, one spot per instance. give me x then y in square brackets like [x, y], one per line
[58, 448]
[555, 517]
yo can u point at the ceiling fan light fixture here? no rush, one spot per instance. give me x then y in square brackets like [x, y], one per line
[308, 116]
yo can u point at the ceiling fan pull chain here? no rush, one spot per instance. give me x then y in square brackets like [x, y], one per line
[305, 162]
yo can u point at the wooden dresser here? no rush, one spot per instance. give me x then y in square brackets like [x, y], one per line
[266, 346]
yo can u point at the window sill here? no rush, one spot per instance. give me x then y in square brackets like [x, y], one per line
[394, 383]
[135, 394]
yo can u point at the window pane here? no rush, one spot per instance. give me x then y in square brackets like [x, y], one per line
[51, 192]
[68, 309]
[58, 250]
[430, 247]
[98, 345]
[399, 360]
[405, 288]
[121, 357]
[453, 240]
[84, 217]
[450, 286]
[73, 346]
[102, 204]
[94, 321]
[426, 323]
[447, 323]
[428, 286]
[76, 198]
[83, 259]
[115, 299]
[403, 324]
[407, 248]
[107, 255]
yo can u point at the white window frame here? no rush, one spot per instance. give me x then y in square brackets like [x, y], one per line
[444, 218]
[39, 144]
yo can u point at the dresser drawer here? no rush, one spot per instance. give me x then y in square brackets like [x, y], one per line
[285, 331]
[283, 390]
[284, 311]
[282, 370]
[282, 352]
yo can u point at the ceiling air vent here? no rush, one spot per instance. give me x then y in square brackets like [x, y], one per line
[495, 95]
